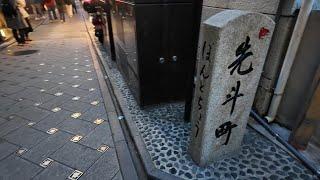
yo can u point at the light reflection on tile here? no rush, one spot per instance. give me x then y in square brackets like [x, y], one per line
[88, 71]
[94, 103]
[42, 90]
[61, 83]
[31, 123]
[103, 148]
[52, 130]
[75, 77]
[98, 121]
[92, 89]
[37, 104]
[46, 163]
[46, 80]
[75, 175]
[76, 138]
[76, 98]
[76, 115]
[76, 85]
[21, 151]
[58, 94]
[76, 69]
[89, 79]
[56, 109]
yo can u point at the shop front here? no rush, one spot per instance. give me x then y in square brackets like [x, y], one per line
[5, 33]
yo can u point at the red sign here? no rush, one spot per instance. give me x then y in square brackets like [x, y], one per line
[263, 32]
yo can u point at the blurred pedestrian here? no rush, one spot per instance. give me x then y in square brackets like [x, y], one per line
[37, 9]
[21, 7]
[51, 7]
[74, 7]
[61, 6]
[14, 20]
[69, 8]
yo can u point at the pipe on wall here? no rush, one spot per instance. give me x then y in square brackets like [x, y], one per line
[296, 153]
[297, 34]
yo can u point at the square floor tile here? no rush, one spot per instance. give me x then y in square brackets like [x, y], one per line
[94, 113]
[45, 148]
[76, 106]
[57, 101]
[53, 120]
[100, 135]
[33, 114]
[26, 137]
[107, 166]
[55, 171]
[6, 149]
[76, 126]
[12, 125]
[76, 156]
[14, 167]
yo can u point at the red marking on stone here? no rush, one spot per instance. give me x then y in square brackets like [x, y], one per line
[263, 32]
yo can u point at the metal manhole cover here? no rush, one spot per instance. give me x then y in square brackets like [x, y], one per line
[22, 53]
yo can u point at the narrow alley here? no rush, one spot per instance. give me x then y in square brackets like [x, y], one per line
[50, 96]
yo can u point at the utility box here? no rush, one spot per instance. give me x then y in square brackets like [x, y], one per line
[155, 42]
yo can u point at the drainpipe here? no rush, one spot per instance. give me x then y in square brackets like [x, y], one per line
[296, 37]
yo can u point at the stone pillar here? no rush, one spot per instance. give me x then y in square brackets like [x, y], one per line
[233, 51]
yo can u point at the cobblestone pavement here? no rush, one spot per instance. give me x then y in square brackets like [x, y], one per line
[50, 95]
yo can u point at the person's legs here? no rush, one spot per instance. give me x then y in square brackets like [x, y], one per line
[22, 36]
[50, 13]
[74, 7]
[54, 13]
[16, 36]
[39, 9]
[34, 11]
[62, 17]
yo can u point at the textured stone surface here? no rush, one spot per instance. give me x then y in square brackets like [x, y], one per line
[76, 156]
[226, 34]
[26, 137]
[14, 167]
[261, 6]
[166, 137]
[55, 171]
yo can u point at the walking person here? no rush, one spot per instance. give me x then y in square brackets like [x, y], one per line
[21, 7]
[14, 20]
[69, 7]
[61, 6]
[51, 7]
[74, 7]
[37, 9]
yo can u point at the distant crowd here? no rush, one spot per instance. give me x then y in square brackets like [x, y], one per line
[17, 15]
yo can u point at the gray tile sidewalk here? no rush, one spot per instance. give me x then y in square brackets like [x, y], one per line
[43, 90]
